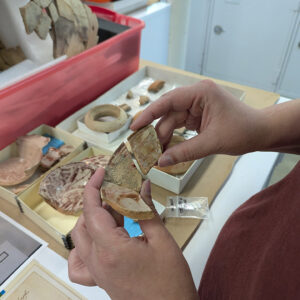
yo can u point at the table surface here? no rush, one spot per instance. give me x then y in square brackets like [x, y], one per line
[238, 188]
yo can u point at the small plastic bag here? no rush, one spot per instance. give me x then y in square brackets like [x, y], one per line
[187, 207]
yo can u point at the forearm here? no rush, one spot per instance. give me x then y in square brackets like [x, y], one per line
[283, 127]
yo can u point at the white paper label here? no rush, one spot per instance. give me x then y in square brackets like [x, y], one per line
[10, 259]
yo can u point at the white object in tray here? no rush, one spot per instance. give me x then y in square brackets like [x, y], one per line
[92, 142]
[9, 76]
[173, 183]
[13, 34]
[102, 137]
[121, 6]
[38, 53]
[24, 70]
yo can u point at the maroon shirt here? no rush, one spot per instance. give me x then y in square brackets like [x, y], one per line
[257, 253]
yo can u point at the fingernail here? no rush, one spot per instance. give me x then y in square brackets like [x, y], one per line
[165, 160]
[148, 187]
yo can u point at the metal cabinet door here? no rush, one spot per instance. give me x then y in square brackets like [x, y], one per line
[248, 40]
[289, 84]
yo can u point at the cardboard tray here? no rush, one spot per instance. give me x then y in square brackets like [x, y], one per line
[11, 150]
[56, 224]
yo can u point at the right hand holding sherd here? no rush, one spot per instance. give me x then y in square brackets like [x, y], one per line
[225, 125]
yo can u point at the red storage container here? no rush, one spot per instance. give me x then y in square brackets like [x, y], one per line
[55, 93]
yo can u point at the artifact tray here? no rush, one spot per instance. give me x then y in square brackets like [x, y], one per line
[11, 151]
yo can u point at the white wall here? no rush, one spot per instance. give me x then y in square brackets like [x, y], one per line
[255, 48]
[155, 35]
[289, 83]
[196, 35]
[179, 32]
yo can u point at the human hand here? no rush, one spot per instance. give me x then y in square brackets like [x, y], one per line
[150, 267]
[225, 125]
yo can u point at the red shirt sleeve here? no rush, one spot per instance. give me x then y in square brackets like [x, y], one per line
[257, 253]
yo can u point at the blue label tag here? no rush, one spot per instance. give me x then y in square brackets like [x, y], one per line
[54, 142]
[133, 228]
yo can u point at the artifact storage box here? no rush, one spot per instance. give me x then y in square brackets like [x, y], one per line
[8, 193]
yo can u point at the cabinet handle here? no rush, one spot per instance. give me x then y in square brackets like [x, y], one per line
[299, 45]
[218, 29]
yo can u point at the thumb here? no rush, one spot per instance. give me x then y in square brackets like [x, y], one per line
[194, 148]
[153, 228]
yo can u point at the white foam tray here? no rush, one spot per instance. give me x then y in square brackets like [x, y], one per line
[104, 137]
[138, 84]
[173, 183]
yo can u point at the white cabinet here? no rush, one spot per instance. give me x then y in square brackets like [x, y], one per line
[289, 83]
[195, 46]
[246, 41]
[155, 35]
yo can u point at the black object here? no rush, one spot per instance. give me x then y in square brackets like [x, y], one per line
[108, 29]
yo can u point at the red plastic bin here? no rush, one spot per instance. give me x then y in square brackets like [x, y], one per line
[55, 93]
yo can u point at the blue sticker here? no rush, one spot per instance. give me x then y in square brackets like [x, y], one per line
[2, 293]
[133, 228]
[54, 142]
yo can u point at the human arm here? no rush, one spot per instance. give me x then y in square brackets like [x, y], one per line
[151, 267]
[283, 122]
[225, 125]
